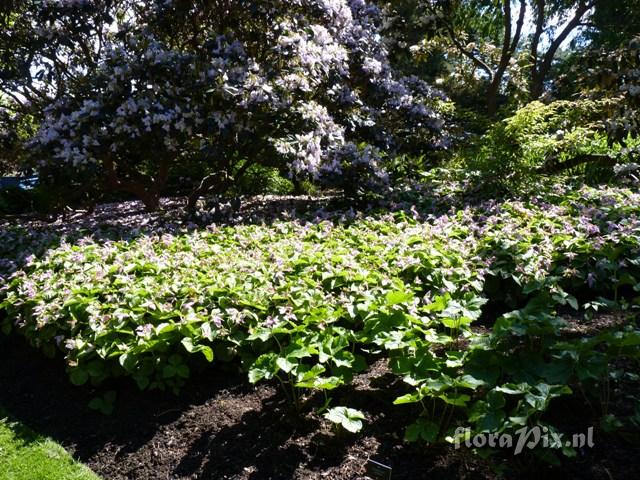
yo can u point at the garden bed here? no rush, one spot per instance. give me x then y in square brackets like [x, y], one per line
[490, 315]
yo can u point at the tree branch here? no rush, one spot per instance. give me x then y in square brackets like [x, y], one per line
[583, 8]
[467, 53]
[552, 166]
[540, 6]
[519, 26]
[13, 97]
[462, 49]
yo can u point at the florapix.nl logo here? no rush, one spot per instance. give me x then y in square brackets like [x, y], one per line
[526, 437]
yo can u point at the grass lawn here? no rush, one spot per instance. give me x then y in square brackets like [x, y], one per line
[25, 455]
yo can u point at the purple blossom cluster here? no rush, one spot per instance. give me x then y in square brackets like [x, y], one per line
[305, 93]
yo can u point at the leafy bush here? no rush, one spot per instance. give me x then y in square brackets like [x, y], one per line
[260, 180]
[519, 148]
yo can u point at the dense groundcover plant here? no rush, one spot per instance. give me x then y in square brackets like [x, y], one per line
[472, 306]
[305, 86]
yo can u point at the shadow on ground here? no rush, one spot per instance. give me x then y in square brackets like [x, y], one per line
[219, 427]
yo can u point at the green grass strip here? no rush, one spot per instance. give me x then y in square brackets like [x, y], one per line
[25, 455]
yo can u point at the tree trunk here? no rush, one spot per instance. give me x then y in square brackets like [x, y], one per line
[221, 181]
[492, 98]
[541, 68]
[537, 87]
[509, 46]
[146, 189]
[151, 200]
[214, 180]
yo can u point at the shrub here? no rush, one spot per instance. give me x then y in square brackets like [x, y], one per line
[260, 180]
[305, 87]
[541, 139]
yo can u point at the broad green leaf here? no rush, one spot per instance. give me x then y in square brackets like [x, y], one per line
[78, 376]
[348, 418]
[398, 297]
[423, 429]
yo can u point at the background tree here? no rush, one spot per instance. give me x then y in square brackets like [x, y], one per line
[567, 16]
[613, 24]
[15, 129]
[46, 47]
[475, 39]
[613, 74]
[493, 41]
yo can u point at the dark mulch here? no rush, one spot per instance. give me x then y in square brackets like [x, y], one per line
[221, 427]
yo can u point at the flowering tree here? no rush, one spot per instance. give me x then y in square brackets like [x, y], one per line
[304, 85]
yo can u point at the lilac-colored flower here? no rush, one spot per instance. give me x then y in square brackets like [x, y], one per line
[270, 322]
[144, 331]
[286, 312]
[217, 320]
